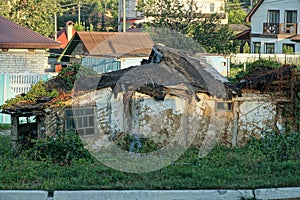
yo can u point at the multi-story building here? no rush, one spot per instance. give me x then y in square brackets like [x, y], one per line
[206, 7]
[275, 27]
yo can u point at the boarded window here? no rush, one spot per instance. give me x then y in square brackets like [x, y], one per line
[81, 119]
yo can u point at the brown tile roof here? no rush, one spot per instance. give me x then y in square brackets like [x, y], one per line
[296, 38]
[13, 35]
[116, 44]
[248, 17]
[238, 27]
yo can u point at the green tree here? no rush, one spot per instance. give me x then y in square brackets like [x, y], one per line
[236, 15]
[37, 15]
[185, 18]
[102, 15]
[214, 36]
[170, 14]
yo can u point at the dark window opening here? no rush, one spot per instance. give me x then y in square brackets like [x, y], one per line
[288, 48]
[224, 106]
[256, 47]
[273, 16]
[270, 48]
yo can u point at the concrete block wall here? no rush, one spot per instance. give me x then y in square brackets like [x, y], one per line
[23, 60]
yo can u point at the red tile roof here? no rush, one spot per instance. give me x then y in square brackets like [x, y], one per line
[13, 35]
[62, 35]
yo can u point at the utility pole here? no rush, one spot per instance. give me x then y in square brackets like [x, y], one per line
[79, 12]
[124, 15]
[55, 27]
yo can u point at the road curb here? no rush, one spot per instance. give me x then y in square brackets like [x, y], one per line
[277, 193]
[153, 195]
[258, 194]
[23, 195]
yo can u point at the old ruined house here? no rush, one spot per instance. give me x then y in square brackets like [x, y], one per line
[174, 97]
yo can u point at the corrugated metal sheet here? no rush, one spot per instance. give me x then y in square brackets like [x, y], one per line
[117, 44]
[101, 65]
[13, 35]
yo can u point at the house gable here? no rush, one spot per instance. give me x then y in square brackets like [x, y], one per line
[109, 44]
[254, 9]
[66, 34]
[275, 27]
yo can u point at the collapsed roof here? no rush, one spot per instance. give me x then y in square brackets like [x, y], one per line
[167, 71]
[269, 80]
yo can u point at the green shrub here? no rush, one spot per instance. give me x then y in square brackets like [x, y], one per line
[71, 73]
[5, 126]
[277, 147]
[37, 90]
[5, 146]
[238, 72]
[141, 145]
[62, 148]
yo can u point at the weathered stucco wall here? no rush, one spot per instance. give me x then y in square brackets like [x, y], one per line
[187, 122]
[22, 60]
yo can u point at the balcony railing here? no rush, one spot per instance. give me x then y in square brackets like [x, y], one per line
[280, 28]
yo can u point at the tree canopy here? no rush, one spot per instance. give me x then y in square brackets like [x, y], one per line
[39, 15]
[184, 18]
[236, 14]
[101, 15]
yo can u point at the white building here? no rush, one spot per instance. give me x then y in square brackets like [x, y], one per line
[206, 7]
[275, 27]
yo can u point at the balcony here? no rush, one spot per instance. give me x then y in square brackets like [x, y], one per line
[280, 28]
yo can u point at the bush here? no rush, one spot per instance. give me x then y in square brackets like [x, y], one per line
[238, 72]
[141, 145]
[62, 149]
[277, 147]
[71, 73]
[5, 147]
[37, 90]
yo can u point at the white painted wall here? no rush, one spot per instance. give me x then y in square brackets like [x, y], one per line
[260, 17]
[163, 120]
[278, 44]
[204, 6]
[128, 62]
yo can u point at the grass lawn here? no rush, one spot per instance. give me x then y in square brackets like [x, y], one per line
[239, 168]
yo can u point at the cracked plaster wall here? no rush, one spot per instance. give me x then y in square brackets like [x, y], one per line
[174, 119]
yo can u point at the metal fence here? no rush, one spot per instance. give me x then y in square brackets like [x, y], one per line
[282, 58]
[14, 84]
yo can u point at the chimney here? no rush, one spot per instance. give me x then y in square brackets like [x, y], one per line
[69, 30]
